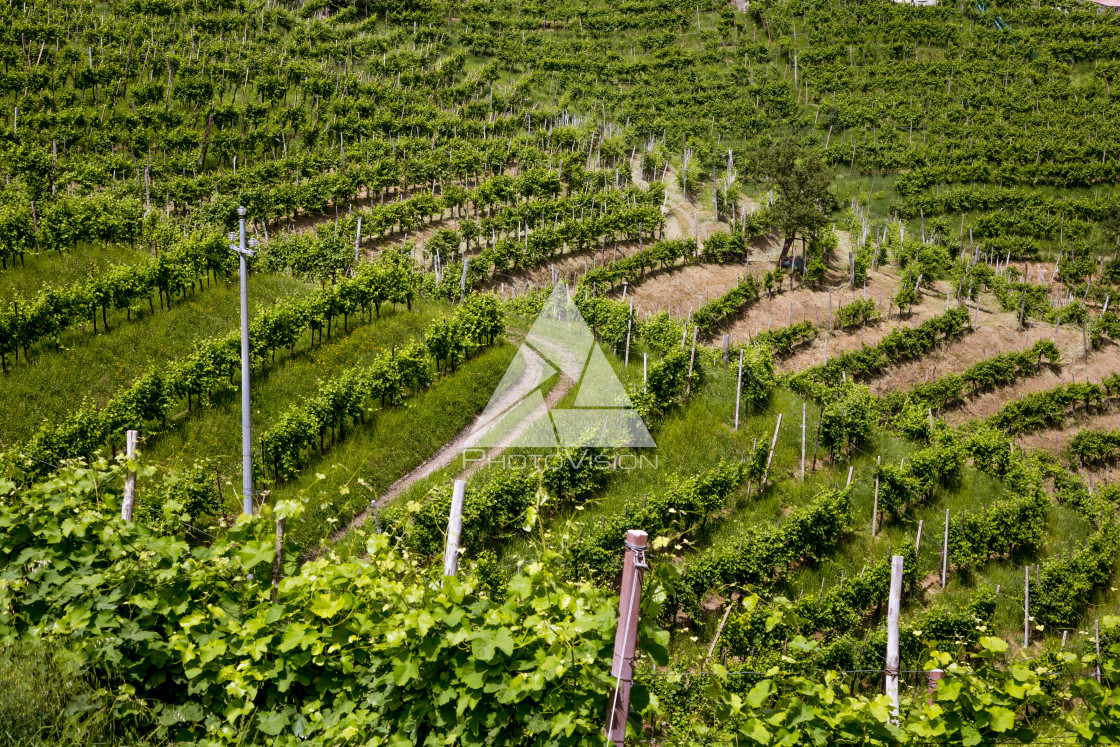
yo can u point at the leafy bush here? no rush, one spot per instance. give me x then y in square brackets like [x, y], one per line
[857, 313]
[1045, 409]
[783, 340]
[847, 419]
[184, 644]
[902, 486]
[213, 364]
[898, 346]
[492, 514]
[1095, 448]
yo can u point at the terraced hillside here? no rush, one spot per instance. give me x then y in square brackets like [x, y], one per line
[852, 263]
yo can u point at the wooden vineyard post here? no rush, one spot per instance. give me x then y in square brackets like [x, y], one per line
[848, 484]
[454, 529]
[817, 442]
[719, 631]
[357, 243]
[625, 638]
[803, 408]
[918, 541]
[645, 377]
[629, 322]
[1097, 640]
[278, 559]
[875, 501]
[739, 389]
[691, 362]
[945, 550]
[129, 501]
[770, 457]
[1027, 606]
[463, 282]
[893, 606]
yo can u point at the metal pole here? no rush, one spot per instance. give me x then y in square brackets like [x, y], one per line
[278, 560]
[246, 426]
[629, 323]
[875, 504]
[1097, 641]
[773, 443]
[691, 362]
[357, 243]
[935, 676]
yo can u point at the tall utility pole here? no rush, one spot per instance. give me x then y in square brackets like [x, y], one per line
[243, 252]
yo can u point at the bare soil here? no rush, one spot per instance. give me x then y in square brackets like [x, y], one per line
[1101, 363]
[814, 306]
[682, 287]
[1056, 439]
[995, 333]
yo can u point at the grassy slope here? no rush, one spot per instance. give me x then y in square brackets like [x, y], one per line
[393, 443]
[698, 435]
[97, 366]
[215, 431]
[57, 269]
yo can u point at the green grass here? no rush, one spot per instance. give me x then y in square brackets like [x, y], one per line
[695, 437]
[214, 431]
[58, 270]
[393, 443]
[95, 367]
[38, 682]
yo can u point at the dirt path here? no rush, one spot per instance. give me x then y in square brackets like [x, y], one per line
[1101, 363]
[804, 304]
[1055, 440]
[685, 216]
[554, 396]
[454, 448]
[683, 287]
[995, 334]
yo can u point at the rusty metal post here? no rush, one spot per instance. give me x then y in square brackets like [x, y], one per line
[622, 665]
[935, 676]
